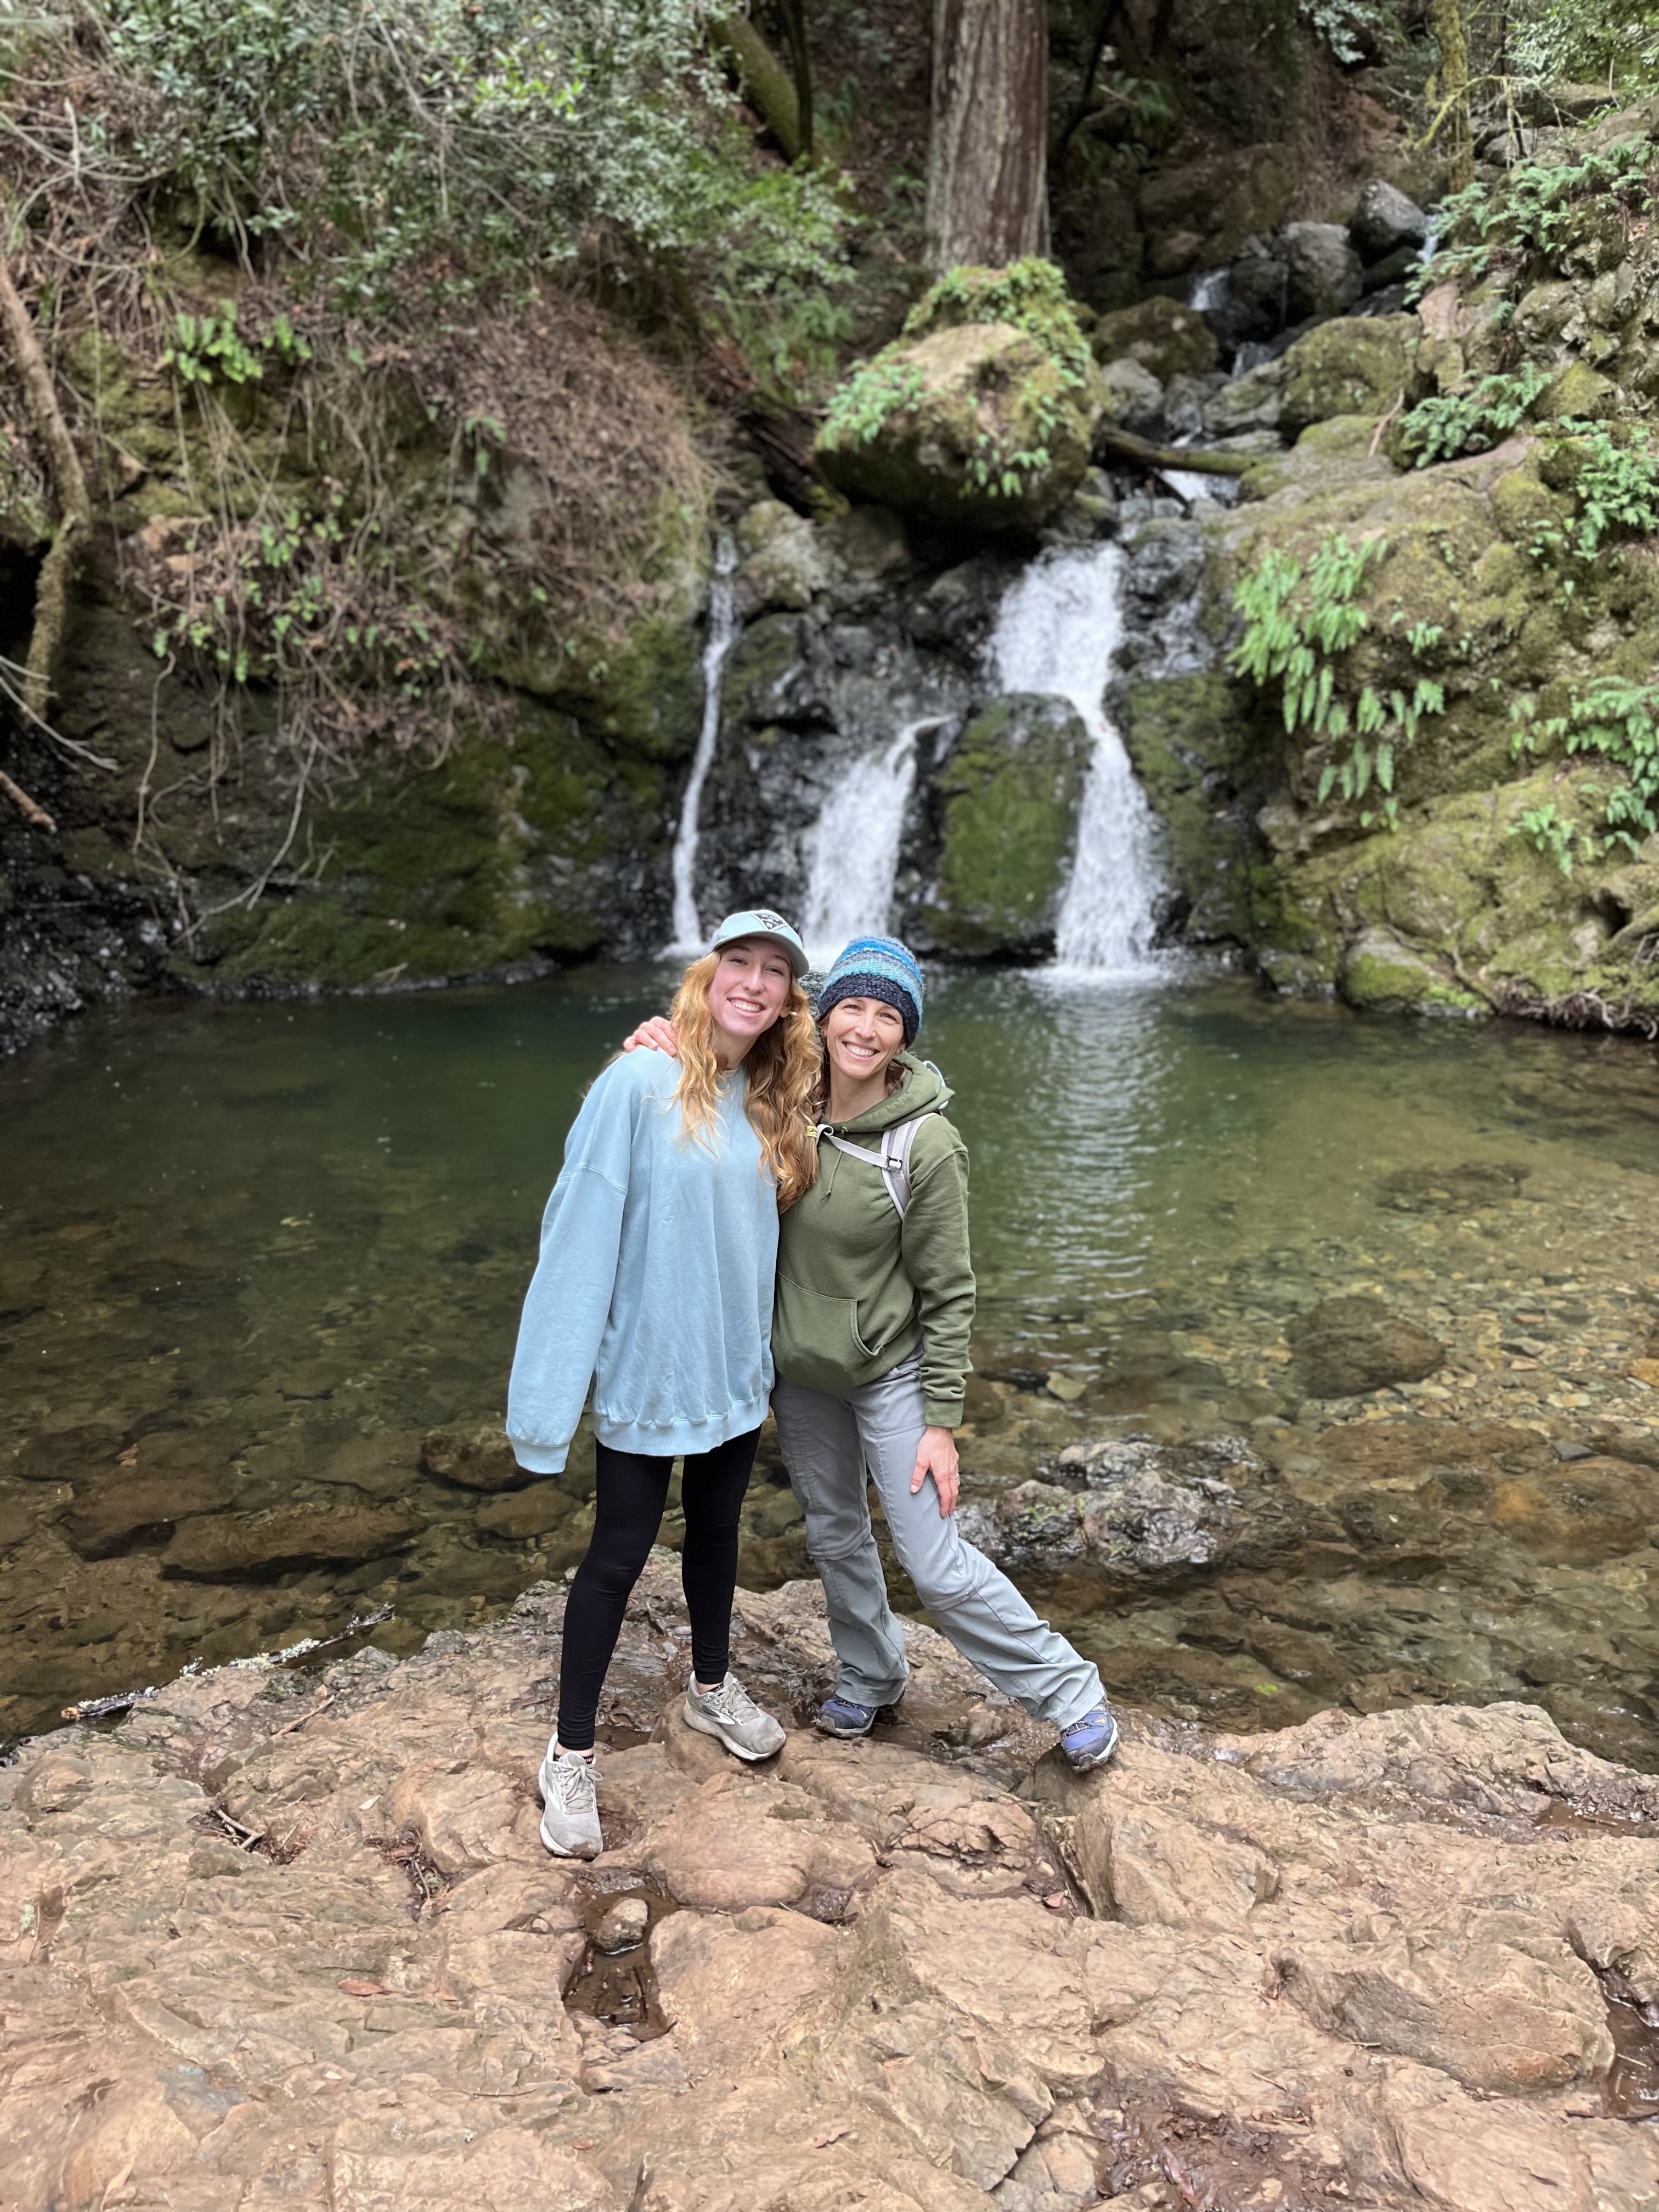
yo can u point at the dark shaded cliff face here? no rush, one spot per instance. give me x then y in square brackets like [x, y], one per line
[189, 859]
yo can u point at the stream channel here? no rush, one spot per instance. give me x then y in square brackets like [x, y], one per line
[252, 1255]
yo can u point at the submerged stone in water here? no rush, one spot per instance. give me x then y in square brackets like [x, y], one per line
[1453, 1190]
[481, 1461]
[229, 1547]
[524, 1513]
[124, 1508]
[1349, 1344]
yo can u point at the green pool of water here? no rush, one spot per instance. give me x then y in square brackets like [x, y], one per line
[256, 1253]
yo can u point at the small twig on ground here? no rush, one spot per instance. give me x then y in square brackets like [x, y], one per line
[31, 810]
[324, 1700]
[244, 1838]
[1377, 434]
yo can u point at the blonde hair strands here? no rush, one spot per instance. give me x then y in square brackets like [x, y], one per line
[782, 1067]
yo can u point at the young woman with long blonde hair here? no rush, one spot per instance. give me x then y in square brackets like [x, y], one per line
[657, 1258]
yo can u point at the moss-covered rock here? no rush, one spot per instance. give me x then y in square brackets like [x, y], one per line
[980, 415]
[1580, 392]
[1162, 335]
[1220, 200]
[1380, 974]
[974, 427]
[1360, 365]
[1200, 754]
[1008, 798]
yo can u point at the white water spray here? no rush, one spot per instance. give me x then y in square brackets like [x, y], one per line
[851, 857]
[1058, 632]
[690, 937]
[1208, 289]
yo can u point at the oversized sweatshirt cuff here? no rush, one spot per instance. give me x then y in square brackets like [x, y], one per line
[540, 1459]
[941, 1413]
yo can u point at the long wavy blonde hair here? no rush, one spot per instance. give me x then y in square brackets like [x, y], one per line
[782, 1066]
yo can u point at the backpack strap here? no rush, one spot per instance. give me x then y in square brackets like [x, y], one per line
[893, 1159]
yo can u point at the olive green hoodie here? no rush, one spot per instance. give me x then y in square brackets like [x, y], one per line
[859, 1289]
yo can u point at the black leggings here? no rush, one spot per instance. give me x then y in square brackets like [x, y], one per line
[631, 1490]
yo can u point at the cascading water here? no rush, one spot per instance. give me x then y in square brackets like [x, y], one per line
[689, 936]
[1208, 289]
[853, 855]
[1058, 632]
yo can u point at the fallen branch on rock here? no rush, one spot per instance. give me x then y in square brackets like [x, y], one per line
[1197, 460]
[91, 1708]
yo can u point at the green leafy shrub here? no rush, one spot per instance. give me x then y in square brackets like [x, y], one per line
[1030, 295]
[875, 391]
[1299, 621]
[1535, 213]
[1351, 29]
[1613, 719]
[1449, 424]
[210, 349]
[478, 140]
[1613, 474]
[1549, 831]
[1611, 42]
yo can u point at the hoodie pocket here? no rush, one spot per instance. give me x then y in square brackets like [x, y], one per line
[815, 1338]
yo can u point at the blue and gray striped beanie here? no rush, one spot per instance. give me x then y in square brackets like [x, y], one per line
[877, 968]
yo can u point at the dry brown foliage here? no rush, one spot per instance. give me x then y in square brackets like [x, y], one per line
[551, 446]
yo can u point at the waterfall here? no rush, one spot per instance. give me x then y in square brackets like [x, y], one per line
[1058, 632]
[852, 855]
[689, 936]
[1208, 289]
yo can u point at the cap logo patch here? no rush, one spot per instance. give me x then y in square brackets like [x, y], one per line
[772, 920]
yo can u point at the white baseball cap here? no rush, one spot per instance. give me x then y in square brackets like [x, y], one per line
[761, 922]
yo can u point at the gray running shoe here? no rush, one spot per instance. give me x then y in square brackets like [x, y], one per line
[570, 1821]
[732, 1714]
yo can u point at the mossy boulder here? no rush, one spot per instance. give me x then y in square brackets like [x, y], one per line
[1357, 365]
[980, 415]
[1163, 336]
[1008, 800]
[1579, 393]
[973, 427]
[1459, 911]
[1380, 974]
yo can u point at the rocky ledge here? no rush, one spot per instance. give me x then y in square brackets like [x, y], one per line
[285, 1942]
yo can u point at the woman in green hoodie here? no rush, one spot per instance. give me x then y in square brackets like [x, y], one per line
[870, 1340]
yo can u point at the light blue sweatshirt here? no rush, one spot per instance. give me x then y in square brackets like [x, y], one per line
[657, 1264]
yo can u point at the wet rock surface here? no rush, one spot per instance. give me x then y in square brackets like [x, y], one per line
[302, 1939]
[1344, 1345]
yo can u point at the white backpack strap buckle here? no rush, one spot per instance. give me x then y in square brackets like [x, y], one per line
[893, 1159]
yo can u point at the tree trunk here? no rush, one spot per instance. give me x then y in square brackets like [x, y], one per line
[794, 13]
[987, 199]
[74, 501]
[1446, 20]
[768, 87]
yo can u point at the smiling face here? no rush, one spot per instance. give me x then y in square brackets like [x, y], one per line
[862, 1037]
[747, 994]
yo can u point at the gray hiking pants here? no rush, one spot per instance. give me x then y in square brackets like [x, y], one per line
[829, 1440]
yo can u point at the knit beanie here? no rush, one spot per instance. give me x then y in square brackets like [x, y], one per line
[877, 968]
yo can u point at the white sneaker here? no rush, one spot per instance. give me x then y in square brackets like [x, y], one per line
[570, 1822]
[730, 1713]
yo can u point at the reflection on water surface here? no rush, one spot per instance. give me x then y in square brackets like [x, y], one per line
[251, 1256]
